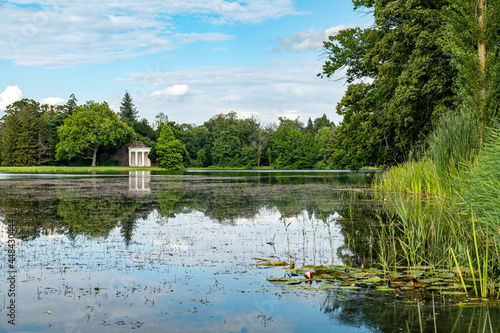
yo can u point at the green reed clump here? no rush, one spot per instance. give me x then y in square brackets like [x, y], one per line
[415, 233]
[453, 145]
[480, 185]
[478, 201]
[416, 177]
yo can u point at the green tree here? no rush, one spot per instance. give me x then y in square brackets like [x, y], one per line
[22, 130]
[90, 127]
[169, 150]
[408, 81]
[321, 122]
[472, 39]
[323, 139]
[226, 148]
[128, 111]
[290, 147]
[70, 106]
[310, 127]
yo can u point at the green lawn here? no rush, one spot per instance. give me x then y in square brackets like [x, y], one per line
[64, 169]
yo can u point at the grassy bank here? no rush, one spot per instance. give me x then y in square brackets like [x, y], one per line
[68, 170]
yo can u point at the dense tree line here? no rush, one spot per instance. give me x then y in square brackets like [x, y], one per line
[34, 134]
[420, 61]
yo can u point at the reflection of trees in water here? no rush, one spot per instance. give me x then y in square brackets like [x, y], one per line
[389, 313]
[31, 214]
[93, 207]
[359, 223]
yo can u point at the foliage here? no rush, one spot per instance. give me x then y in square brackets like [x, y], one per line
[480, 184]
[453, 144]
[70, 105]
[169, 150]
[128, 111]
[407, 82]
[24, 134]
[291, 147]
[90, 127]
[417, 177]
[471, 39]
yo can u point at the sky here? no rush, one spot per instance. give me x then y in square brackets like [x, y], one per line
[190, 59]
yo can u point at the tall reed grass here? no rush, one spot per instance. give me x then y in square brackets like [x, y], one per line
[458, 168]
[453, 146]
[416, 177]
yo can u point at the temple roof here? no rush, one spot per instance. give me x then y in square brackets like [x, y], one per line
[138, 144]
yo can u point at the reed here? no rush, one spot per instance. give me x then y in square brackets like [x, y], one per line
[452, 148]
[466, 232]
[415, 177]
[453, 145]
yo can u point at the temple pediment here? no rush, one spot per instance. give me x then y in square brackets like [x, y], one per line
[138, 154]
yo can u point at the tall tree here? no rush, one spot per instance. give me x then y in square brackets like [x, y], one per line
[472, 40]
[408, 80]
[70, 105]
[90, 127]
[169, 150]
[22, 126]
[290, 147]
[128, 111]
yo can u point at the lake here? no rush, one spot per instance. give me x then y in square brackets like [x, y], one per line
[181, 252]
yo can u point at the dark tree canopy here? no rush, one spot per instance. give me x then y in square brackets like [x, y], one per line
[400, 81]
[22, 130]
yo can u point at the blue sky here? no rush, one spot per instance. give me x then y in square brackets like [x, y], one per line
[190, 59]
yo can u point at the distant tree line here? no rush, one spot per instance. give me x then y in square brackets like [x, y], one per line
[34, 134]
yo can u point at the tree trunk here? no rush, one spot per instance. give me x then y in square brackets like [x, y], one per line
[94, 157]
[481, 48]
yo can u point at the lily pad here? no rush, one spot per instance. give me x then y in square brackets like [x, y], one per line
[375, 279]
[285, 280]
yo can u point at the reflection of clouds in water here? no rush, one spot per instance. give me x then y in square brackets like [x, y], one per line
[4, 236]
[253, 321]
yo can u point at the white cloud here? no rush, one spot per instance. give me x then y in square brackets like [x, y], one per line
[266, 91]
[290, 114]
[309, 39]
[174, 92]
[53, 101]
[10, 95]
[205, 37]
[52, 34]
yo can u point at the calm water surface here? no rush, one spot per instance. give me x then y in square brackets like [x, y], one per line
[177, 253]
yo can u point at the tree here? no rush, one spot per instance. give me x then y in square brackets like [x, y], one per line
[289, 147]
[471, 38]
[408, 80]
[70, 105]
[128, 111]
[226, 148]
[21, 133]
[90, 127]
[169, 150]
[321, 122]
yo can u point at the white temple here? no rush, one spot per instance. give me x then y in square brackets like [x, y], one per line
[138, 155]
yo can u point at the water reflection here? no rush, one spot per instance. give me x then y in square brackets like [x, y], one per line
[138, 181]
[101, 257]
